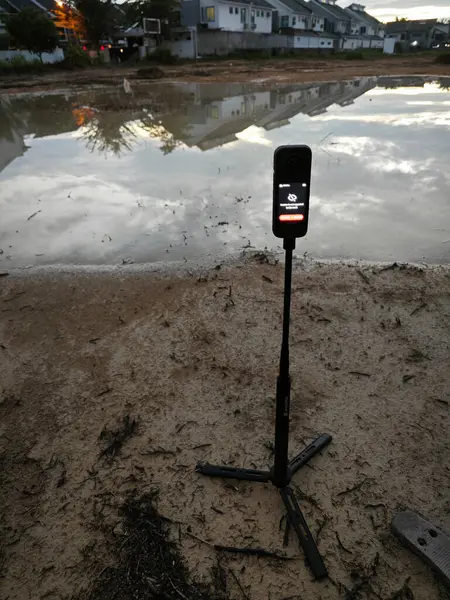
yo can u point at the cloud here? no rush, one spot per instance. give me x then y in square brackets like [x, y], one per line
[409, 9]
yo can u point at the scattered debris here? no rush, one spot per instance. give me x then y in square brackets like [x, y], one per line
[364, 581]
[404, 593]
[353, 488]
[244, 595]
[33, 215]
[419, 308]
[148, 563]
[363, 276]
[442, 401]
[267, 279]
[253, 552]
[149, 73]
[127, 261]
[341, 545]
[360, 373]
[106, 390]
[117, 437]
[14, 297]
[407, 378]
[416, 356]
[158, 452]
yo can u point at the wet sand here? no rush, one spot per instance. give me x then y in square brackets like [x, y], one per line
[292, 70]
[192, 358]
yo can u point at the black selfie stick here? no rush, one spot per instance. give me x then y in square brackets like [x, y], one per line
[282, 471]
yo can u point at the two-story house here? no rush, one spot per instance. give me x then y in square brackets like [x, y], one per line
[336, 20]
[369, 27]
[238, 15]
[291, 14]
[423, 34]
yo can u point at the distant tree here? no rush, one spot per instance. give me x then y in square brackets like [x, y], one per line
[166, 10]
[97, 16]
[69, 18]
[33, 30]
[5, 41]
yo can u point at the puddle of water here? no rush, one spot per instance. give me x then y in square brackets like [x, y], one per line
[177, 172]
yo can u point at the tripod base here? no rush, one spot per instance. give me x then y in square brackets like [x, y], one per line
[295, 516]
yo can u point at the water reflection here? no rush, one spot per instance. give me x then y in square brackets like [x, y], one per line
[188, 170]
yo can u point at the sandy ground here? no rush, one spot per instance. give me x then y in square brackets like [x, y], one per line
[193, 359]
[290, 70]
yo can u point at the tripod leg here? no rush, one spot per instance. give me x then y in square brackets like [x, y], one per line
[304, 534]
[232, 473]
[305, 455]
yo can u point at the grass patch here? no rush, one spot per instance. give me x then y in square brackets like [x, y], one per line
[19, 65]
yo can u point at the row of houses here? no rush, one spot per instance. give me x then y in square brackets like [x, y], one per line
[319, 24]
[303, 24]
[209, 27]
[423, 34]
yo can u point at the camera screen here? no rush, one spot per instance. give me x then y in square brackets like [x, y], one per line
[292, 202]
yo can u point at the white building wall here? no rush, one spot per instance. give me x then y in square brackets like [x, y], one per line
[366, 43]
[308, 41]
[227, 21]
[341, 27]
[351, 43]
[228, 18]
[377, 44]
[263, 22]
[389, 45]
[317, 23]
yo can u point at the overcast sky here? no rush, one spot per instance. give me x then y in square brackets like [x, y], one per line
[386, 10]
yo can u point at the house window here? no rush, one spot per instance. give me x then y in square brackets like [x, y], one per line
[243, 15]
[363, 30]
[236, 10]
[322, 43]
[268, 15]
[231, 10]
[210, 13]
[257, 13]
[212, 112]
[284, 21]
[321, 27]
[294, 21]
